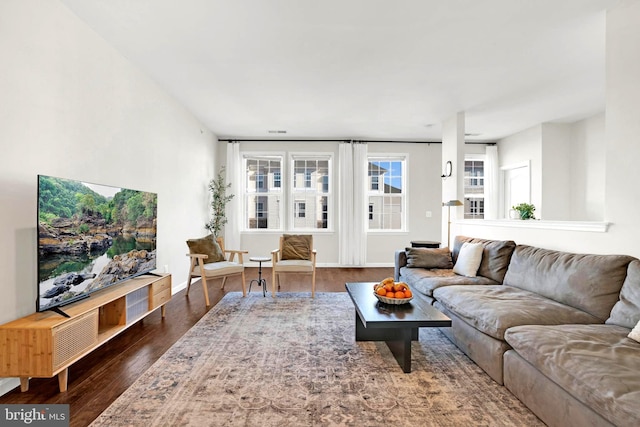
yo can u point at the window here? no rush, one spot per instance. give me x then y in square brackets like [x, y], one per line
[262, 193]
[386, 198]
[375, 183]
[295, 198]
[300, 209]
[260, 183]
[474, 187]
[473, 208]
[311, 192]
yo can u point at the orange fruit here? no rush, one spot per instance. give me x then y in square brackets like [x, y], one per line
[388, 287]
[388, 280]
[408, 293]
[398, 287]
[381, 291]
[399, 294]
[390, 294]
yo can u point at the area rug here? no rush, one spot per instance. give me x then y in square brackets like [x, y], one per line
[293, 361]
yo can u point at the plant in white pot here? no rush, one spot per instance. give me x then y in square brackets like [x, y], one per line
[219, 199]
[525, 210]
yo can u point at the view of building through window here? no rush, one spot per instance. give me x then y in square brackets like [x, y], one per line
[263, 192]
[386, 194]
[310, 193]
[307, 192]
[474, 189]
[300, 197]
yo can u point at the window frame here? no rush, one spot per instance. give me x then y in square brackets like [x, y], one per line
[403, 158]
[277, 191]
[295, 193]
[472, 197]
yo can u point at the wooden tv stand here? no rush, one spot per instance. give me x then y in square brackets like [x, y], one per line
[44, 344]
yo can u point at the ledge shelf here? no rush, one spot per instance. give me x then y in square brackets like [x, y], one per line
[590, 226]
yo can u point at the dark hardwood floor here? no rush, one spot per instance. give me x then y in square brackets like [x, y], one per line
[100, 377]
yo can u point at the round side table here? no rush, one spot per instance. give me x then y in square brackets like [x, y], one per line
[260, 281]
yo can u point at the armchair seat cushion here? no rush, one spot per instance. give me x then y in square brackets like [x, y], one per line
[292, 265]
[215, 269]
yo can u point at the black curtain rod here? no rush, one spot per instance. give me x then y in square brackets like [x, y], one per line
[326, 140]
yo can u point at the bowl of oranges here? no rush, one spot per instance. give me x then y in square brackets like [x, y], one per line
[391, 292]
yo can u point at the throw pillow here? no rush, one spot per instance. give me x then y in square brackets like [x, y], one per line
[207, 246]
[429, 258]
[296, 246]
[635, 333]
[469, 259]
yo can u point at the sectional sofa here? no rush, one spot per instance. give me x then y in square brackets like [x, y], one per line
[551, 326]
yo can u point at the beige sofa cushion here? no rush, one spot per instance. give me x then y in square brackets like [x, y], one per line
[469, 259]
[428, 258]
[588, 282]
[626, 312]
[425, 281]
[597, 364]
[495, 256]
[494, 309]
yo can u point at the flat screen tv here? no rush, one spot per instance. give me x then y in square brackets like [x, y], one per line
[90, 237]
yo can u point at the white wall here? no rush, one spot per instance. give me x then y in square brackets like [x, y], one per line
[567, 167]
[423, 186]
[622, 128]
[588, 166]
[73, 107]
[525, 146]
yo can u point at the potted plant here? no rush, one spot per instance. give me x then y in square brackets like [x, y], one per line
[219, 199]
[525, 210]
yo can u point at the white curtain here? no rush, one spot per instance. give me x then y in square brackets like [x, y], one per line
[352, 210]
[491, 183]
[234, 207]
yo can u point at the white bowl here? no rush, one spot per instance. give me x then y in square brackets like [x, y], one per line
[396, 301]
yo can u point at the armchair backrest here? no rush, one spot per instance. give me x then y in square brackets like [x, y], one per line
[220, 241]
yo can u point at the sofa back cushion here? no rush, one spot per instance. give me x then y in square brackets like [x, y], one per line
[429, 258]
[587, 282]
[626, 312]
[495, 256]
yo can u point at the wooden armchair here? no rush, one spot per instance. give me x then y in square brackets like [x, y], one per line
[222, 266]
[294, 255]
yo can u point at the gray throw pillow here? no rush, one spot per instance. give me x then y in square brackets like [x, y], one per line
[429, 258]
[207, 246]
[626, 312]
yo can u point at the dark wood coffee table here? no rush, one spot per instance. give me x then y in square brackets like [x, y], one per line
[397, 325]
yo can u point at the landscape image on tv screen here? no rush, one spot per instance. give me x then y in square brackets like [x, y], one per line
[91, 236]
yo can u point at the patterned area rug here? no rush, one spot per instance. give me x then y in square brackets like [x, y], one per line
[293, 361]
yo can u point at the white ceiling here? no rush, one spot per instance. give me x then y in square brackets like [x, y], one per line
[365, 69]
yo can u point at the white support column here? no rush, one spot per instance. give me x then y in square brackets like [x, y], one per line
[453, 186]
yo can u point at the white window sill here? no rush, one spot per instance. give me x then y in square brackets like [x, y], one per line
[592, 226]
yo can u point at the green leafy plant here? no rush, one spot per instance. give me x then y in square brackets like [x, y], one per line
[525, 210]
[219, 199]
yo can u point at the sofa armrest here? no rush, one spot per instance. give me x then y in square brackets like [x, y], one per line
[400, 260]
